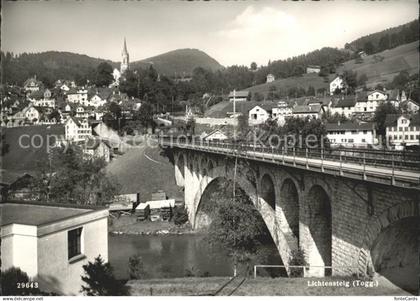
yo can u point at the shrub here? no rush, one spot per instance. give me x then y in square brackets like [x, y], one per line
[136, 267]
[297, 258]
[180, 215]
[100, 280]
[14, 276]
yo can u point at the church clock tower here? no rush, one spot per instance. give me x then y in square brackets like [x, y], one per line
[125, 59]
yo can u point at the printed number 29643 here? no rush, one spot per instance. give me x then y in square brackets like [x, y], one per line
[27, 285]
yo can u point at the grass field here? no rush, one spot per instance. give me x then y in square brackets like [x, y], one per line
[145, 169]
[257, 287]
[404, 57]
[283, 84]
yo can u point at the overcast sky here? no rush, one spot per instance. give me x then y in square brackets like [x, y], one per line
[235, 32]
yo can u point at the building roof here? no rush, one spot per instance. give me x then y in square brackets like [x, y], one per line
[314, 66]
[376, 91]
[350, 126]
[36, 214]
[239, 94]
[348, 101]
[391, 119]
[306, 109]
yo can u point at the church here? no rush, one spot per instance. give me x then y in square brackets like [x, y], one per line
[125, 64]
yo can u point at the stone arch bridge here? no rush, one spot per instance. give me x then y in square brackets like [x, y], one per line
[336, 212]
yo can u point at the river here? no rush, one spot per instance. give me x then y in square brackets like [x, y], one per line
[168, 256]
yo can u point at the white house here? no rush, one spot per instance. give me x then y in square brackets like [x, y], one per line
[32, 84]
[377, 95]
[217, 134]
[282, 109]
[351, 134]
[270, 78]
[97, 148]
[96, 101]
[338, 82]
[77, 96]
[239, 95]
[343, 106]
[30, 113]
[52, 243]
[313, 69]
[77, 129]
[410, 106]
[402, 131]
[64, 87]
[304, 111]
[257, 115]
[81, 112]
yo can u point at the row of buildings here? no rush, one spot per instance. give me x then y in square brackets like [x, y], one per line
[359, 109]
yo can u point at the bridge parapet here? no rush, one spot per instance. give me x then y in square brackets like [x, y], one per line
[384, 167]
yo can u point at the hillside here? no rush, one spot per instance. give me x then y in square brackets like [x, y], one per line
[142, 170]
[49, 66]
[179, 62]
[384, 66]
[283, 84]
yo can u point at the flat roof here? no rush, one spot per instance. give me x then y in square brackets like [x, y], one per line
[35, 215]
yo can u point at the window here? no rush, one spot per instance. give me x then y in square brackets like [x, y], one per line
[411, 137]
[74, 242]
[364, 140]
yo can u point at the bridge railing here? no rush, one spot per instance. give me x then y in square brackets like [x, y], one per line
[401, 160]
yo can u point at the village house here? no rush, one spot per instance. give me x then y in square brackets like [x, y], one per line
[410, 106]
[344, 106]
[402, 131]
[215, 135]
[313, 69]
[239, 95]
[257, 115]
[337, 83]
[29, 114]
[97, 148]
[46, 101]
[77, 129]
[32, 84]
[79, 96]
[305, 111]
[51, 243]
[81, 112]
[270, 78]
[351, 134]
[282, 109]
[377, 95]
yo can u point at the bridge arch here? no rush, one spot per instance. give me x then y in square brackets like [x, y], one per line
[288, 209]
[391, 242]
[263, 207]
[318, 242]
[180, 164]
[268, 190]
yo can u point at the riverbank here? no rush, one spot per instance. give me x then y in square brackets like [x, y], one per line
[258, 287]
[130, 225]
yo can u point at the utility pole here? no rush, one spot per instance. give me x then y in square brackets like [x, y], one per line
[234, 114]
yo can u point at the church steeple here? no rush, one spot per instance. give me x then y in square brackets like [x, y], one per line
[125, 58]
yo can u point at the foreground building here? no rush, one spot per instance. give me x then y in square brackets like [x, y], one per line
[351, 134]
[402, 131]
[51, 243]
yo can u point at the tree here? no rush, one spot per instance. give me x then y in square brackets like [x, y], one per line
[104, 75]
[10, 280]
[236, 224]
[100, 280]
[180, 215]
[350, 78]
[254, 66]
[70, 177]
[257, 96]
[369, 48]
[136, 267]
[382, 111]
[384, 42]
[310, 91]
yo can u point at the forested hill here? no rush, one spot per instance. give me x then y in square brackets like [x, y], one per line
[49, 66]
[386, 39]
[52, 65]
[180, 62]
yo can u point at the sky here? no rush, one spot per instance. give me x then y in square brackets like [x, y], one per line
[232, 32]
